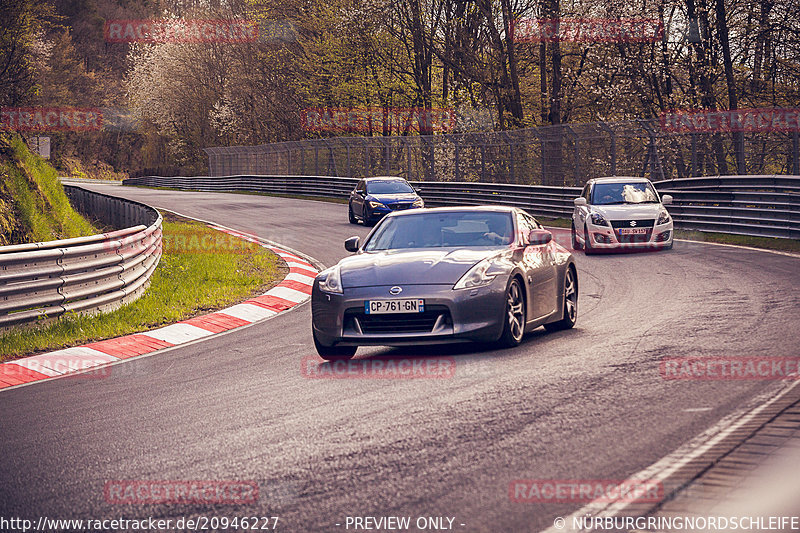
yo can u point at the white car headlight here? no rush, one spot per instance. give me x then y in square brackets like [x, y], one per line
[418, 203]
[375, 204]
[663, 217]
[477, 276]
[332, 280]
[598, 219]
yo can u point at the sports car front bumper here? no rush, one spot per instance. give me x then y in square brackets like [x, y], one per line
[450, 315]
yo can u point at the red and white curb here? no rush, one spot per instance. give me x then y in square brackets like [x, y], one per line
[293, 290]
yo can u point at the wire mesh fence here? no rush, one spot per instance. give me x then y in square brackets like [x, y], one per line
[563, 155]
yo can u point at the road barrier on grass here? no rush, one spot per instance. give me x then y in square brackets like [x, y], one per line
[762, 206]
[44, 280]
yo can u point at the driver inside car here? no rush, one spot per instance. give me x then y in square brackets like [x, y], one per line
[499, 230]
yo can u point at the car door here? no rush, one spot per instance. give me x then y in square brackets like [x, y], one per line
[542, 279]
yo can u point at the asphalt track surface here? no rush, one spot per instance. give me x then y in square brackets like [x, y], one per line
[588, 403]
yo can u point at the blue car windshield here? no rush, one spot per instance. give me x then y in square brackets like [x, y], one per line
[445, 229]
[388, 187]
[638, 192]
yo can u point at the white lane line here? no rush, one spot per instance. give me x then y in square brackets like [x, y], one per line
[248, 312]
[178, 333]
[663, 468]
[696, 409]
[288, 294]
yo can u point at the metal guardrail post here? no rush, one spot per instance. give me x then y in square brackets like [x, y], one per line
[796, 153]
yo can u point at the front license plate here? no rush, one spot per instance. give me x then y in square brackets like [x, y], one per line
[633, 231]
[379, 307]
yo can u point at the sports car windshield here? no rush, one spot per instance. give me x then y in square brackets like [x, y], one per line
[438, 230]
[388, 187]
[638, 192]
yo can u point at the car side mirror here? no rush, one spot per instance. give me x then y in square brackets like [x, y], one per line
[351, 244]
[539, 236]
[579, 201]
[417, 190]
[666, 199]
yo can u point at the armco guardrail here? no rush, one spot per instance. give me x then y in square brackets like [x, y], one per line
[766, 206]
[86, 274]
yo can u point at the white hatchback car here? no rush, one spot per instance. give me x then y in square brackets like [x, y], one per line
[621, 213]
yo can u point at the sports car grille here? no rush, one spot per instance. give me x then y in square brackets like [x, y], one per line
[398, 207]
[397, 322]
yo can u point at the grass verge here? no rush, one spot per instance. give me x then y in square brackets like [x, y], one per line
[33, 200]
[201, 270]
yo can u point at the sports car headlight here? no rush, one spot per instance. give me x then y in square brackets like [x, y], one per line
[663, 217]
[477, 276]
[375, 204]
[599, 220]
[332, 280]
[418, 203]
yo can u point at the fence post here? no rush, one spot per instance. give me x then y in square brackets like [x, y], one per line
[349, 171]
[316, 159]
[613, 153]
[796, 153]
[458, 168]
[408, 158]
[693, 170]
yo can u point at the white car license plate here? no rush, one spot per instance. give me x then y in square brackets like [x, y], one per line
[633, 231]
[379, 307]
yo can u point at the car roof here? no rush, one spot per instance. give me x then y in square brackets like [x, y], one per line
[457, 209]
[384, 178]
[619, 179]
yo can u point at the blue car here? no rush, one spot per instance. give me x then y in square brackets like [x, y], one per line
[375, 197]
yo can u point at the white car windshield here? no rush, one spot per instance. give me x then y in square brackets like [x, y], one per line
[438, 230]
[638, 192]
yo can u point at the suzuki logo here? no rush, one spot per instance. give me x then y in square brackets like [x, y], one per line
[396, 290]
[633, 222]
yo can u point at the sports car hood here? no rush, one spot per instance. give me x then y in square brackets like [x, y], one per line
[410, 267]
[398, 197]
[628, 211]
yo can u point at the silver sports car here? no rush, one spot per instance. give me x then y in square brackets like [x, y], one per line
[451, 274]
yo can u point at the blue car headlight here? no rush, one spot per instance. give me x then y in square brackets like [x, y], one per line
[375, 205]
[330, 280]
[599, 220]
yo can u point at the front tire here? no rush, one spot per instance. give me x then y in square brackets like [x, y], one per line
[575, 244]
[514, 321]
[350, 215]
[588, 249]
[570, 303]
[334, 353]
